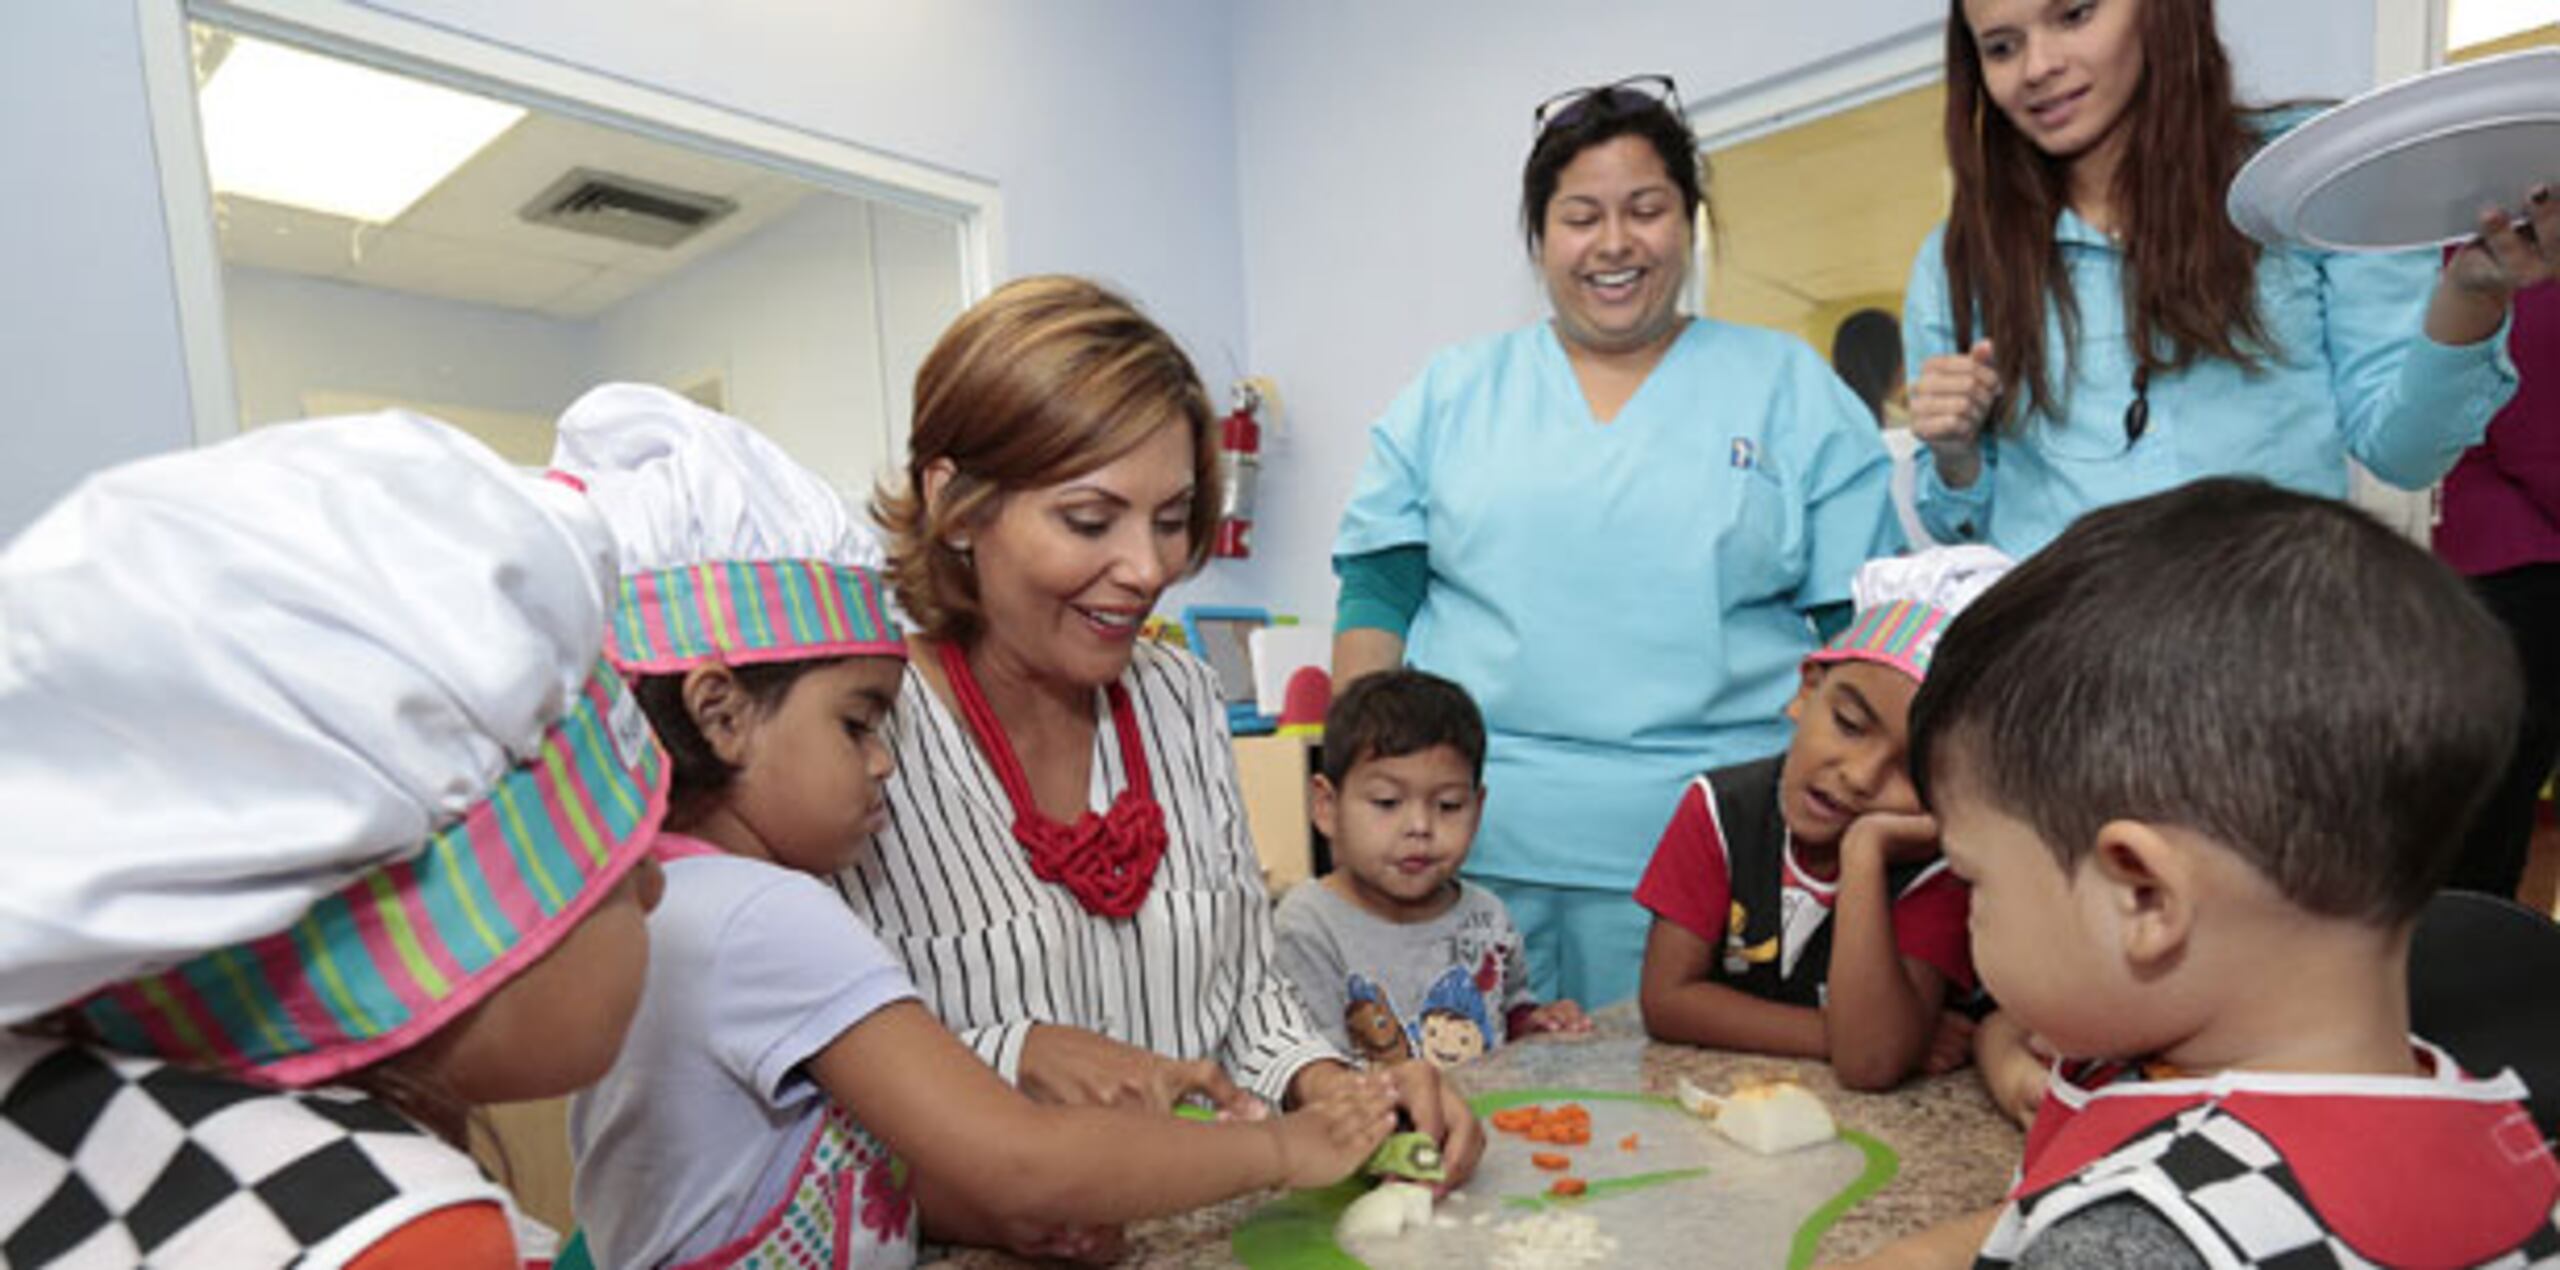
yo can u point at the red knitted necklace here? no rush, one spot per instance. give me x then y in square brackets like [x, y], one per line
[1108, 861]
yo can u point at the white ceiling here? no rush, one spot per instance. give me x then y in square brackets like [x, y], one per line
[464, 241]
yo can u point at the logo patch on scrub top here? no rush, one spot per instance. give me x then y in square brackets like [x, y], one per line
[1745, 455]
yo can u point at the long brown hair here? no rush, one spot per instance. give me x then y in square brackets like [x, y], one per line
[2190, 278]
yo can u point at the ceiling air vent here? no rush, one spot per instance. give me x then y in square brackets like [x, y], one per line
[611, 205]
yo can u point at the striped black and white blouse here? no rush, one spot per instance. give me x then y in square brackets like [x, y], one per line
[994, 950]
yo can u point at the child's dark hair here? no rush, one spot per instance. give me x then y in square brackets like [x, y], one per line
[2279, 672]
[1397, 712]
[695, 774]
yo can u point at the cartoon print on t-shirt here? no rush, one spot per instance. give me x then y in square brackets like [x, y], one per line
[1377, 1035]
[1739, 957]
[1455, 1025]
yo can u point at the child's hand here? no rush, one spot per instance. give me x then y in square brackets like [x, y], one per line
[1334, 1132]
[1558, 1016]
[2016, 1066]
[1951, 1046]
[1896, 837]
[1435, 1106]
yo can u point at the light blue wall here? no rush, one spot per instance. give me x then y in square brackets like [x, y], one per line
[1332, 176]
[785, 318]
[1382, 146]
[291, 334]
[88, 316]
[1108, 125]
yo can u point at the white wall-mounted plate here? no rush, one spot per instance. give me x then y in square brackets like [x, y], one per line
[2410, 164]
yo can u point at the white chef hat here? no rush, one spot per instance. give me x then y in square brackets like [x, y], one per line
[1905, 602]
[730, 550]
[310, 744]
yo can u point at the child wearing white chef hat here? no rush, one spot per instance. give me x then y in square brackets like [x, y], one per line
[782, 1077]
[1799, 903]
[333, 824]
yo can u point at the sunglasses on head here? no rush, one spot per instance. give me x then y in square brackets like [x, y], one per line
[1632, 95]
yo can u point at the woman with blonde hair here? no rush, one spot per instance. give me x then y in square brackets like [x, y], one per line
[1064, 866]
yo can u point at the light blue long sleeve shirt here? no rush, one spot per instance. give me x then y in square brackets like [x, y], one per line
[2353, 374]
[1627, 601]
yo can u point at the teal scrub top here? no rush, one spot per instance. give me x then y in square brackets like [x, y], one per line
[2354, 374]
[1626, 601]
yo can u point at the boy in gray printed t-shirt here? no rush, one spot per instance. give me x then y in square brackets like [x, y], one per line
[1394, 955]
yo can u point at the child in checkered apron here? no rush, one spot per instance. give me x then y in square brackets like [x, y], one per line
[784, 1099]
[2204, 759]
[335, 824]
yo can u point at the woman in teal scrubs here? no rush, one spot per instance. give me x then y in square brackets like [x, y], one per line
[1613, 527]
[2088, 327]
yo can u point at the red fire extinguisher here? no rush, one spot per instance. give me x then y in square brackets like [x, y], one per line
[1240, 451]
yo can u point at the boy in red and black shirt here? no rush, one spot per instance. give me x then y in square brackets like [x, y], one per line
[1799, 904]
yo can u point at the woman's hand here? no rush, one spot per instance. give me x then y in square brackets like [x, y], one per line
[1072, 1066]
[1334, 1132]
[1951, 403]
[2473, 292]
[1434, 1106]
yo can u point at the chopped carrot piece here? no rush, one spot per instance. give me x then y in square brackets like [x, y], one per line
[1552, 1162]
[1568, 1187]
[1627, 1143]
[1567, 1125]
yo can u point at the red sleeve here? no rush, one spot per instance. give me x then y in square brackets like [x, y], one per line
[461, 1237]
[1686, 884]
[1929, 922]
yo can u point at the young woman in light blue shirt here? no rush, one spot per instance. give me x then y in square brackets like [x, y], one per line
[1612, 528]
[2088, 327]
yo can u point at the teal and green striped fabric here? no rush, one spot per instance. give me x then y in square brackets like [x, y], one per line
[405, 947]
[739, 611]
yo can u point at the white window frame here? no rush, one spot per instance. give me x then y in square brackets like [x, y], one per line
[2408, 37]
[415, 48]
[1904, 60]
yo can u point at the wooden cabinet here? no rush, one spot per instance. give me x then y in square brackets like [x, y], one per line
[1274, 771]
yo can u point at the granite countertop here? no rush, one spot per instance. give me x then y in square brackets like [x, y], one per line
[1957, 1150]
